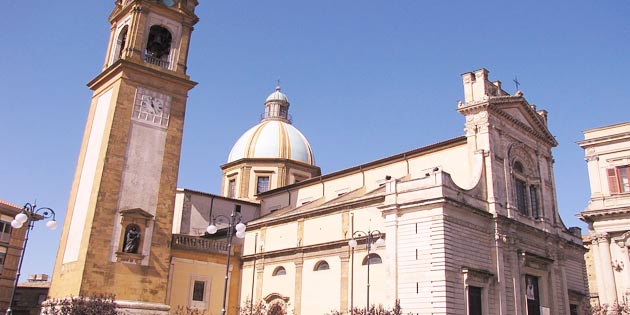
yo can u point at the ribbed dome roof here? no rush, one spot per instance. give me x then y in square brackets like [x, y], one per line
[277, 96]
[273, 139]
[274, 136]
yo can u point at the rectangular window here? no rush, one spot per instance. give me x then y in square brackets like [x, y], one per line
[624, 178]
[619, 179]
[532, 295]
[232, 188]
[2, 256]
[533, 197]
[199, 287]
[521, 202]
[5, 231]
[573, 309]
[474, 300]
[262, 184]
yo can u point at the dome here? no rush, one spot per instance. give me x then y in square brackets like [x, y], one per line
[273, 139]
[277, 96]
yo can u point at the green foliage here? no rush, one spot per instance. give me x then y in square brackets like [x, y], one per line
[94, 305]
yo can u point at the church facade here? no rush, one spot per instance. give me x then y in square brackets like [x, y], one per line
[465, 226]
[468, 225]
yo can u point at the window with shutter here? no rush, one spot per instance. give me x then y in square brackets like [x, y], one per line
[624, 178]
[613, 183]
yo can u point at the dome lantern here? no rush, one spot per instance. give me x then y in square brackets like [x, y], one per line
[277, 106]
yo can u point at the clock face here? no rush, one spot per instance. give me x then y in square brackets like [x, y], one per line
[151, 106]
[168, 3]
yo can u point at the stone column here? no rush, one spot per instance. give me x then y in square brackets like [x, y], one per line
[599, 279]
[607, 271]
[625, 269]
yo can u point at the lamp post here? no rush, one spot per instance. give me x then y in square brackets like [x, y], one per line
[373, 241]
[234, 223]
[29, 215]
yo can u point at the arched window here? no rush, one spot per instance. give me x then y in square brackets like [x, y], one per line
[279, 271]
[158, 46]
[526, 190]
[321, 265]
[373, 259]
[121, 42]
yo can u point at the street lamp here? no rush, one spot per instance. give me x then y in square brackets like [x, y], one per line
[374, 240]
[29, 215]
[234, 222]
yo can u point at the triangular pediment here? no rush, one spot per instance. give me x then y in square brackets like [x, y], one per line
[517, 113]
[524, 116]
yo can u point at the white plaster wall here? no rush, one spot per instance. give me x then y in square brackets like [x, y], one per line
[335, 186]
[376, 176]
[454, 160]
[87, 180]
[321, 290]
[323, 229]
[140, 180]
[378, 280]
[246, 285]
[283, 285]
[281, 237]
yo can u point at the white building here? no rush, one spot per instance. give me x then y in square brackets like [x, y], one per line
[607, 151]
[470, 225]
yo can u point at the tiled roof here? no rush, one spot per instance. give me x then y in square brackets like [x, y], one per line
[10, 204]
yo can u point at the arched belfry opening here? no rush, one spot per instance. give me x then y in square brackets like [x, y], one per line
[121, 42]
[158, 46]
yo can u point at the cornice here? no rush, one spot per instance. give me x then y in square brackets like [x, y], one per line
[119, 67]
[590, 215]
[270, 220]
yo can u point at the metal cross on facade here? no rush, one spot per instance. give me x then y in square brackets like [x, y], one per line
[516, 82]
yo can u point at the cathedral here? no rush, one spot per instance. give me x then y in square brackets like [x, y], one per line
[467, 225]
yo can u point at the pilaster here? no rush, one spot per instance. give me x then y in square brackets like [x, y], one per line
[299, 266]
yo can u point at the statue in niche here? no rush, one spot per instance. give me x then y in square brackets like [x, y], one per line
[132, 240]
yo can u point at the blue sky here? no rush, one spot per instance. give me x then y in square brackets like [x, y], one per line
[366, 79]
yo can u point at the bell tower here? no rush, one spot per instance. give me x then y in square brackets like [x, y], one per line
[117, 232]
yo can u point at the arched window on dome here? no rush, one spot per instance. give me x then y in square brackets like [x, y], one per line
[373, 259]
[321, 265]
[279, 271]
